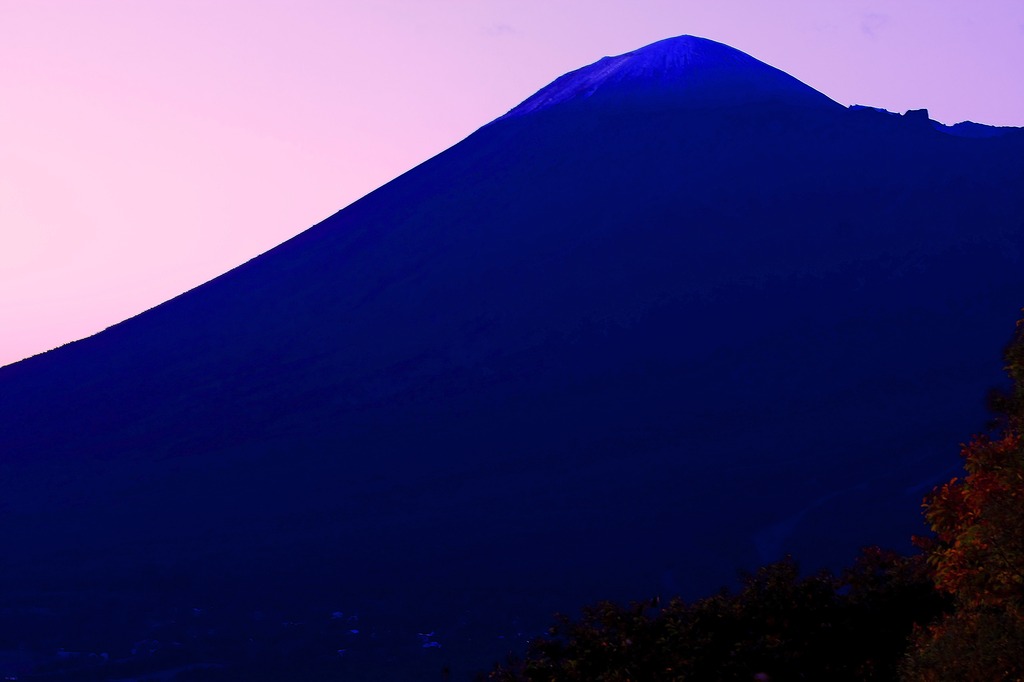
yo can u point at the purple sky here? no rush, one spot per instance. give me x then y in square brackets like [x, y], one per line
[150, 146]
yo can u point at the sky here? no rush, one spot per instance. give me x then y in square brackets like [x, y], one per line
[149, 146]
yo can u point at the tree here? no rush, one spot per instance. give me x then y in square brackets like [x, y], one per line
[779, 626]
[978, 553]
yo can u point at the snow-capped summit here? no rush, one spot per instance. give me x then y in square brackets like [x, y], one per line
[690, 71]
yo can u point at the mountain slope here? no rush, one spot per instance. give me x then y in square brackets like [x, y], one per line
[606, 346]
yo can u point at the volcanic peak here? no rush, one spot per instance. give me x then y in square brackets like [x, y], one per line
[694, 71]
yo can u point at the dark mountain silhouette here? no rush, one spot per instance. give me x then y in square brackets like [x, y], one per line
[674, 315]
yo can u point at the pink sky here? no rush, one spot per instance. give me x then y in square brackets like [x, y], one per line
[148, 146]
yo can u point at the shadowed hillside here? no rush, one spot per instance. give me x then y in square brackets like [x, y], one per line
[623, 342]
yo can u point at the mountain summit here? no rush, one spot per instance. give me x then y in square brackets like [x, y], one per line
[691, 71]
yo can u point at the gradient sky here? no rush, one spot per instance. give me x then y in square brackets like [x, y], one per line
[147, 146]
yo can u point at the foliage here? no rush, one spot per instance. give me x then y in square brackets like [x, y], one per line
[979, 521]
[779, 626]
[978, 556]
[969, 645]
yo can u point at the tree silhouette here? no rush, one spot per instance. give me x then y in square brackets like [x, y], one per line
[978, 554]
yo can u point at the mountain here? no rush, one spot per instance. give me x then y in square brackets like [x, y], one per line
[675, 315]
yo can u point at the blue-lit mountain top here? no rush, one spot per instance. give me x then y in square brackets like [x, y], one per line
[694, 71]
